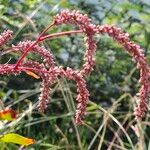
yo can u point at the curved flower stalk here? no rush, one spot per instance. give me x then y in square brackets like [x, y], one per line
[85, 25]
[137, 54]
[83, 93]
[48, 79]
[45, 85]
[49, 71]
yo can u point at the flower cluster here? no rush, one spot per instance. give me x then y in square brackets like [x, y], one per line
[49, 71]
[138, 56]
[5, 36]
[85, 25]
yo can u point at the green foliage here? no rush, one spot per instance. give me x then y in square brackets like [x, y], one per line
[112, 85]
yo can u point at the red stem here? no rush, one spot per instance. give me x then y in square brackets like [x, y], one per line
[50, 36]
[25, 53]
[29, 48]
[42, 38]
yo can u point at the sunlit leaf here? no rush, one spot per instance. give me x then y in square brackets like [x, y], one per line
[30, 73]
[8, 114]
[17, 139]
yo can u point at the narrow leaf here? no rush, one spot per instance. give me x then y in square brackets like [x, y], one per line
[17, 139]
[30, 73]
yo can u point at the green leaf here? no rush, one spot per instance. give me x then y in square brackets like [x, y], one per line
[17, 139]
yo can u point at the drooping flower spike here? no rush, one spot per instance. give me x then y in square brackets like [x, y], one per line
[138, 56]
[85, 25]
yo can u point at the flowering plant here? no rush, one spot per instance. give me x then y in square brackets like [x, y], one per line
[48, 71]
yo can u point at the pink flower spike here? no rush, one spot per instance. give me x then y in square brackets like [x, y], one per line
[138, 56]
[5, 37]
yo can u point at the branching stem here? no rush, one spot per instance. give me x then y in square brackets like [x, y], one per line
[55, 35]
[29, 48]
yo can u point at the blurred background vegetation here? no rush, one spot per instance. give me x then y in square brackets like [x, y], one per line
[109, 123]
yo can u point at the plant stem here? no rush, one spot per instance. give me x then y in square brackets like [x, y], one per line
[29, 48]
[25, 53]
[50, 36]
[42, 38]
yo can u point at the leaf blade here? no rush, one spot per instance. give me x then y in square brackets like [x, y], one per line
[16, 139]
